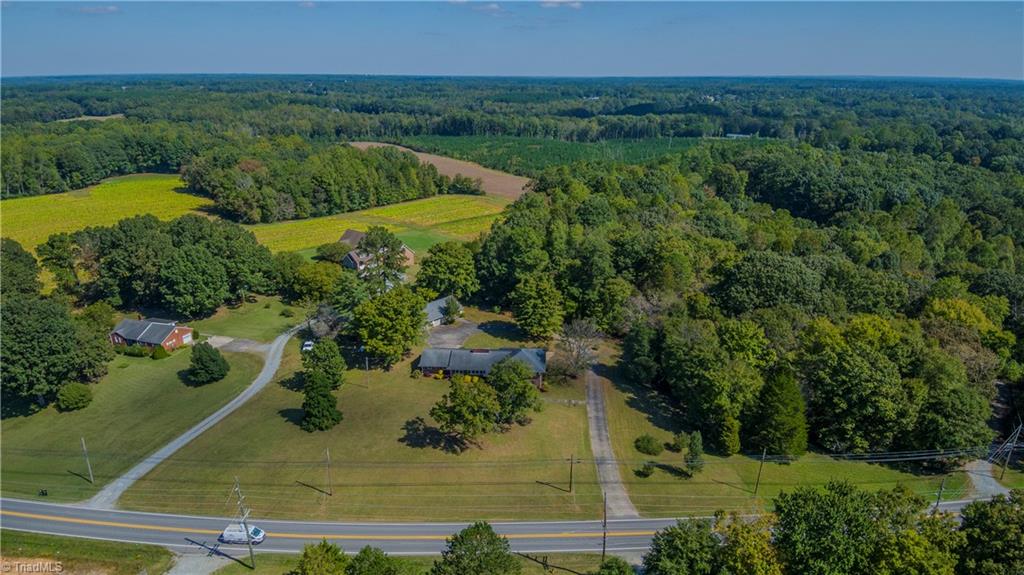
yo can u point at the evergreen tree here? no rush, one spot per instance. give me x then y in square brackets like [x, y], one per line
[207, 364]
[320, 407]
[386, 258]
[695, 453]
[779, 423]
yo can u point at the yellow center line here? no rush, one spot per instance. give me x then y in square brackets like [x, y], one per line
[100, 523]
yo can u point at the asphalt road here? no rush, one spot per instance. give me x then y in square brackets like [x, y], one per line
[108, 496]
[186, 534]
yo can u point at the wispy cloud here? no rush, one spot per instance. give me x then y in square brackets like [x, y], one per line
[99, 9]
[490, 8]
[574, 4]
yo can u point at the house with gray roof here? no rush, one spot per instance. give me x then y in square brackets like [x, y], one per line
[457, 361]
[435, 311]
[150, 333]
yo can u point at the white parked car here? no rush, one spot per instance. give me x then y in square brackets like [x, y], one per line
[307, 346]
[235, 533]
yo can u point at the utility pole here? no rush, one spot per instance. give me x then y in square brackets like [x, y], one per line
[243, 513]
[85, 452]
[572, 460]
[604, 529]
[1011, 444]
[330, 488]
[757, 484]
[938, 499]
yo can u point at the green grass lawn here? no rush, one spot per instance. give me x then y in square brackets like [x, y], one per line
[1014, 478]
[726, 482]
[418, 223]
[32, 220]
[260, 320]
[384, 465]
[85, 555]
[137, 408]
[277, 564]
[529, 156]
[497, 330]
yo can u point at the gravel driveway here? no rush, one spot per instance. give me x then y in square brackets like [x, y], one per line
[453, 335]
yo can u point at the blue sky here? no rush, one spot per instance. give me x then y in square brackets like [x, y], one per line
[563, 38]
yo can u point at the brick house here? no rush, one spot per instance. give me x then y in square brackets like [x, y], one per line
[151, 333]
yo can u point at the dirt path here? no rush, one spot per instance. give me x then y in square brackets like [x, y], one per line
[494, 182]
[619, 504]
[983, 479]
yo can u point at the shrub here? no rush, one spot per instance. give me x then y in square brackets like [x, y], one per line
[160, 353]
[287, 312]
[648, 445]
[615, 566]
[322, 559]
[416, 374]
[266, 305]
[121, 349]
[195, 335]
[73, 396]
[137, 350]
[646, 471]
[679, 442]
[207, 364]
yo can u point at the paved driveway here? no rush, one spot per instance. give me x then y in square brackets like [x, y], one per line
[453, 335]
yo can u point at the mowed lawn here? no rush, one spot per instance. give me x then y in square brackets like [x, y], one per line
[260, 320]
[137, 408]
[32, 220]
[386, 464]
[419, 223]
[82, 555]
[725, 483]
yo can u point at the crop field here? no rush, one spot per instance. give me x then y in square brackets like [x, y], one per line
[494, 182]
[726, 483]
[529, 156]
[31, 220]
[419, 223]
[388, 459]
[137, 408]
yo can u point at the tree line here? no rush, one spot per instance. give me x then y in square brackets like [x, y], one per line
[170, 120]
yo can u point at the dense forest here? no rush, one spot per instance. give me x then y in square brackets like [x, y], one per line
[161, 123]
[882, 289]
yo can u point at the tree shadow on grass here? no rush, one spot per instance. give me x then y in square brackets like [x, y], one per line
[420, 435]
[292, 415]
[18, 407]
[658, 408]
[294, 383]
[504, 330]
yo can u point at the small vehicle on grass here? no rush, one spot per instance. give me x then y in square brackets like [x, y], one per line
[307, 346]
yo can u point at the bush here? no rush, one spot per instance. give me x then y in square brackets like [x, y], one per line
[322, 559]
[646, 471]
[648, 445]
[207, 364]
[121, 349]
[160, 353]
[287, 312]
[195, 335]
[615, 566]
[137, 350]
[679, 442]
[73, 396]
